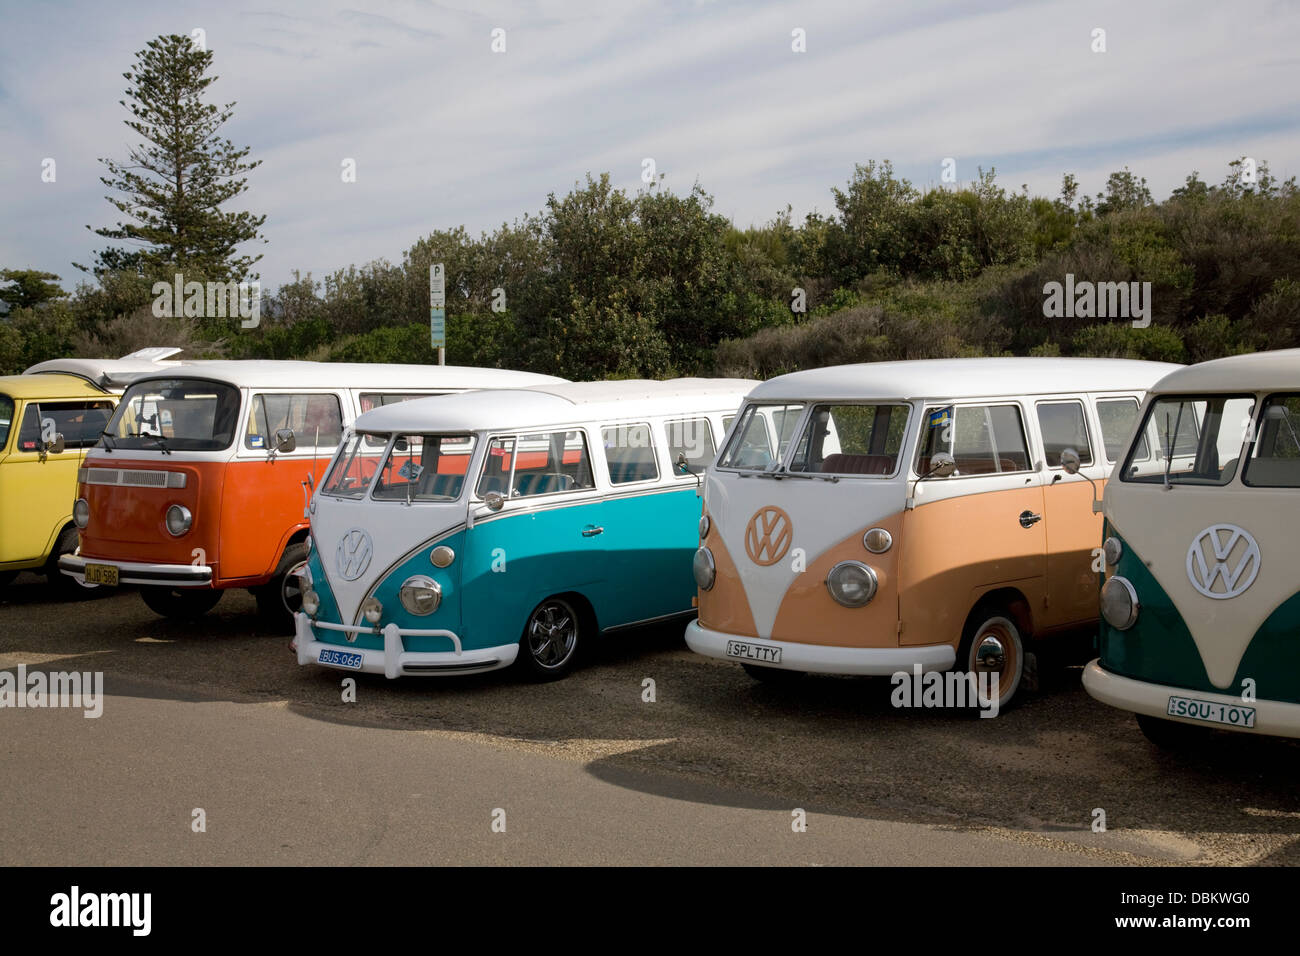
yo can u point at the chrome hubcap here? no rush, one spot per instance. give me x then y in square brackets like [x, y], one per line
[990, 655]
[552, 634]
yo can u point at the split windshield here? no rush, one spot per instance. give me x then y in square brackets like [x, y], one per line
[401, 468]
[175, 415]
[1198, 439]
[761, 436]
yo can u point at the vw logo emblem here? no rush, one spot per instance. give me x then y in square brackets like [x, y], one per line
[353, 554]
[1223, 561]
[767, 538]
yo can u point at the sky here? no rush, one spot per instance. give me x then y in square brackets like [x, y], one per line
[446, 131]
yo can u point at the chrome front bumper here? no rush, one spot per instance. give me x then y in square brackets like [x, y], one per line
[394, 661]
[134, 572]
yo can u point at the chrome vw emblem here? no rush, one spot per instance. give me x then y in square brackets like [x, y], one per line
[353, 554]
[767, 538]
[1211, 553]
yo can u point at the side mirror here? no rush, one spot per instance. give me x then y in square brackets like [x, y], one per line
[682, 464]
[942, 465]
[494, 500]
[57, 445]
[285, 440]
[1070, 461]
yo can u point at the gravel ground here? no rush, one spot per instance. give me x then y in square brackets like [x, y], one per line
[1034, 774]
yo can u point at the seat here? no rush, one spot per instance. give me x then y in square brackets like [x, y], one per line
[541, 483]
[858, 464]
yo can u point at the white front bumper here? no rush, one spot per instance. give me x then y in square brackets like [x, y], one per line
[821, 658]
[393, 661]
[1141, 697]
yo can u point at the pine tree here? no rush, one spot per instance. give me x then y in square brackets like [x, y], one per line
[173, 185]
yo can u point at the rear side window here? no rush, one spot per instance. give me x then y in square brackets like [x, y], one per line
[1063, 426]
[984, 439]
[694, 439]
[6, 419]
[315, 419]
[1276, 460]
[371, 400]
[629, 454]
[544, 463]
[80, 423]
[1117, 416]
[851, 440]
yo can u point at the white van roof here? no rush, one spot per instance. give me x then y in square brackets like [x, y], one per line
[257, 373]
[110, 374]
[1274, 371]
[962, 378]
[516, 409]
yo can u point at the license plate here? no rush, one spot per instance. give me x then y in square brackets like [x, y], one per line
[339, 659]
[754, 652]
[1211, 711]
[102, 574]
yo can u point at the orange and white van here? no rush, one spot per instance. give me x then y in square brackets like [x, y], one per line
[910, 516]
[202, 478]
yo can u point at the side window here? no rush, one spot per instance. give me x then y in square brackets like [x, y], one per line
[315, 419]
[539, 464]
[7, 406]
[1276, 459]
[80, 423]
[694, 439]
[1117, 416]
[629, 454]
[1063, 426]
[369, 400]
[984, 439]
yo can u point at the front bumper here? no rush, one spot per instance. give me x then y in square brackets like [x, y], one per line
[393, 660]
[821, 658]
[1276, 718]
[134, 572]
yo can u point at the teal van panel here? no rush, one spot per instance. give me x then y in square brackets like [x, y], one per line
[448, 615]
[650, 541]
[514, 560]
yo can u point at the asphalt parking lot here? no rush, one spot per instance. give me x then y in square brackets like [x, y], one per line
[1034, 776]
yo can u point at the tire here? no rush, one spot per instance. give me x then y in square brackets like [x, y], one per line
[281, 597]
[181, 604]
[773, 676]
[549, 646]
[64, 587]
[993, 624]
[1169, 734]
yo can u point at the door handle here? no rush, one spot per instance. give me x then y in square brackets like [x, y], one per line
[1028, 519]
[591, 531]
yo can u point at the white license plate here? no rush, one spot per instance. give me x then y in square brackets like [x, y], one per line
[760, 653]
[339, 658]
[1211, 711]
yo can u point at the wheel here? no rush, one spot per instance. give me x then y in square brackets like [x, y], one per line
[64, 586]
[774, 676]
[181, 604]
[281, 597]
[549, 646]
[1169, 734]
[992, 645]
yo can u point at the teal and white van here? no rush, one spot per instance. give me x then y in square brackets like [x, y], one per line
[1201, 601]
[460, 535]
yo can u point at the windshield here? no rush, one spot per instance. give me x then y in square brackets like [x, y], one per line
[175, 415]
[761, 437]
[355, 464]
[425, 468]
[851, 440]
[6, 419]
[1198, 439]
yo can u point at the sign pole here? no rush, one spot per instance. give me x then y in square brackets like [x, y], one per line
[437, 311]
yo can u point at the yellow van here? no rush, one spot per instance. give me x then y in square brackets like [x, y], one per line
[49, 417]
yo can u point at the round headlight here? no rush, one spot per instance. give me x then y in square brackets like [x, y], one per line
[420, 595]
[442, 556]
[1119, 603]
[705, 525]
[851, 583]
[310, 545]
[179, 520]
[705, 570]
[877, 540]
[310, 602]
[1112, 549]
[81, 512]
[372, 610]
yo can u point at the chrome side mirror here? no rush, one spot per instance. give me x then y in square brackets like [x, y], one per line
[1070, 461]
[285, 440]
[494, 500]
[56, 446]
[942, 465]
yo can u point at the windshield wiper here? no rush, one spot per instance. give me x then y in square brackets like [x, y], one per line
[108, 440]
[156, 439]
